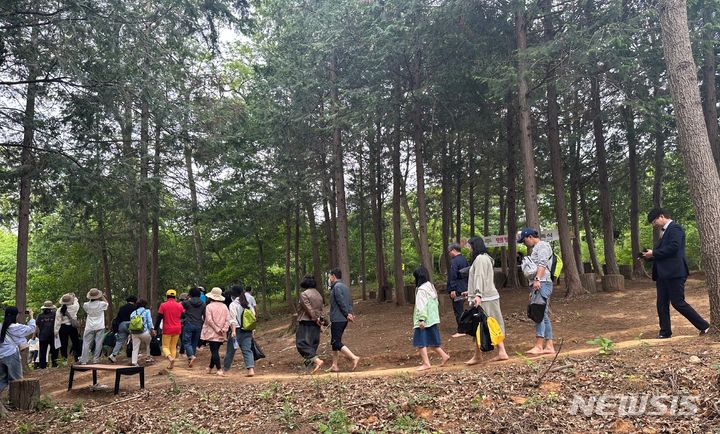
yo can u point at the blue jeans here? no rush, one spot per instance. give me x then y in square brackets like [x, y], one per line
[543, 329]
[190, 338]
[121, 337]
[10, 369]
[245, 340]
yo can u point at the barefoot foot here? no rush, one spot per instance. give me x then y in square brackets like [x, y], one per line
[472, 361]
[534, 351]
[444, 361]
[356, 360]
[318, 364]
[423, 368]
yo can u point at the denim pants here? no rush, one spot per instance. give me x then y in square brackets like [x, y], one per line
[543, 329]
[10, 369]
[121, 337]
[90, 337]
[190, 338]
[245, 340]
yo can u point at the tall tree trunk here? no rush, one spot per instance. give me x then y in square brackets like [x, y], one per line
[511, 128]
[694, 145]
[575, 188]
[314, 240]
[659, 174]
[410, 221]
[155, 219]
[603, 181]
[27, 162]
[361, 205]
[458, 193]
[296, 251]
[419, 164]
[472, 180]
[532, 215]
[501, 226]
[629, 120]
[397, 187]
[342, 220]
[194, 213]
[572, 275]
[109, 314]
[263, 277]
[142, 246]
[589, 239]
[288, 276]
[377, 213]
[709, 91]
[486, 209]
[445, 200]
[329, 223]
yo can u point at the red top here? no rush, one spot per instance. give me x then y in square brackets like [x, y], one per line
[171, 311]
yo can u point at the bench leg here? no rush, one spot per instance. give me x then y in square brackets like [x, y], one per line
[117, 382]
[94, 377]
[72, 374]
[142, 378]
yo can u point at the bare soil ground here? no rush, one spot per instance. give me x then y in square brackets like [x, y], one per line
[385, 394]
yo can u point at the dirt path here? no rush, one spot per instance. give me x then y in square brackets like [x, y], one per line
[382, 337]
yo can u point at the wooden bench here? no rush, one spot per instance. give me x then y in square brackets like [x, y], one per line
[118, 369]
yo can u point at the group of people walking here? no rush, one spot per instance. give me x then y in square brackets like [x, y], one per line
[216, 317]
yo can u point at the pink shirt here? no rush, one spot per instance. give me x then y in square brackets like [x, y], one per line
[217, 322]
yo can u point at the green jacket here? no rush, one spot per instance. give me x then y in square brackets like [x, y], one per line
[426, 306]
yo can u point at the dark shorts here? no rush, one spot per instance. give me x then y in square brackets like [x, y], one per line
[336, 333]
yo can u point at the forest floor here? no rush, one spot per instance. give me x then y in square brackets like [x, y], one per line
[679, 376]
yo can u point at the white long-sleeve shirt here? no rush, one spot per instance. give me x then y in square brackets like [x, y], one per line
[72, 311]
[95, 314]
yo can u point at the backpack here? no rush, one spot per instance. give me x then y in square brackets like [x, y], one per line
[496, 333]
[556, 268]
[482, 334]
[247, 321]
[136, 324]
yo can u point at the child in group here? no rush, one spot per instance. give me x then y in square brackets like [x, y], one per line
[426, 319]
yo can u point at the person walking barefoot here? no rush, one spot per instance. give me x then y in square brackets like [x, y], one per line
[340, 314]
[481, 290]
[537, 267]
[426, 320]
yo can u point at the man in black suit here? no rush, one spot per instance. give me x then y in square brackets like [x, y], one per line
[670, 272]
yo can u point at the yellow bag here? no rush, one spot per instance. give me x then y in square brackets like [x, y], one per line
[496, 333]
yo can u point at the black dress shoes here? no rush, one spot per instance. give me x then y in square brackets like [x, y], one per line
[661, 336]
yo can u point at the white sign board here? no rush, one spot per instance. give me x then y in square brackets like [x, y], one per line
[502, 240]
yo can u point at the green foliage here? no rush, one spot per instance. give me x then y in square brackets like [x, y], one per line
[185, 425]
[607, 346]
[337, 423]
[270, 392]
[8, 249]
[287, 414]
[407, 424]
[255, 120]
[45, 403]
